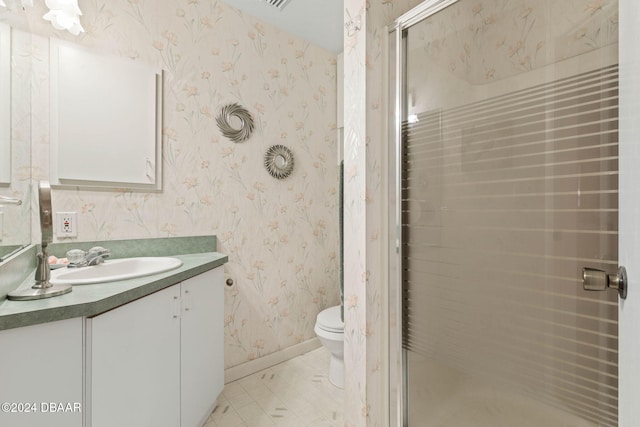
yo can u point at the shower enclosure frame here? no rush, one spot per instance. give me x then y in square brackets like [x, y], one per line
[397, 71]
[629, 207]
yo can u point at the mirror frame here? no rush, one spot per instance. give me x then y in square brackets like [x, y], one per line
[271, 157]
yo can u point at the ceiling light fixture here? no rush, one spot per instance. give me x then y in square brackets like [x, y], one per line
[63, 14]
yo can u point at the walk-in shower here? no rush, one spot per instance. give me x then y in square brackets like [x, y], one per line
[506, 176]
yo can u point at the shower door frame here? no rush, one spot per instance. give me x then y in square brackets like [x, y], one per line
[397, 355]
[629, 208]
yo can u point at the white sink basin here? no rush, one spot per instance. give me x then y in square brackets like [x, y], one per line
[116, 269]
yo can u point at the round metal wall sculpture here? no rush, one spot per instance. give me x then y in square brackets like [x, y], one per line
[224, 119]
[279, 161]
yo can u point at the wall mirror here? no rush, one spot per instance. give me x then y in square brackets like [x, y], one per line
[235, 122]
[278, 160]
[15, 131]
[24, 37]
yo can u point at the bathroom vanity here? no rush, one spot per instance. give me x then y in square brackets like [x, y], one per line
[144, 351]
[157, 361]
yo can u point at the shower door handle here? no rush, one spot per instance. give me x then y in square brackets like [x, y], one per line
[598, 280]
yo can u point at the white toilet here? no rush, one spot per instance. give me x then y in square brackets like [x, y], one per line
[330, 330]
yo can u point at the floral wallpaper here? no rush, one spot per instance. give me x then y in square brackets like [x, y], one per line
[490, 43]
[505, 37]
[281, 236]
[497, 39]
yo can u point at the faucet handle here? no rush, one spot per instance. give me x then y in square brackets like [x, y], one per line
[75, 256]
[97, 254]
[99, 251]
[94, 256]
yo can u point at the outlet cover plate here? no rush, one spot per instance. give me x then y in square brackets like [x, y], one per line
[66, 224]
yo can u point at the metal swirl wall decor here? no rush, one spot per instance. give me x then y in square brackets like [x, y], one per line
[223, 120]
[279, 161]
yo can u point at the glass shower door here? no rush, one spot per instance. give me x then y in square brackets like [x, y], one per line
[509, 187]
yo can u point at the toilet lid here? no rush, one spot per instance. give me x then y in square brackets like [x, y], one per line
[329, 320]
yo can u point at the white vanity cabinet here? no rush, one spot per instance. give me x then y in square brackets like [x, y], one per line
[41, 375]
[133, 356]
[201, 346]
[158, 361]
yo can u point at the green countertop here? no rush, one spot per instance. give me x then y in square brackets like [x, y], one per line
[90, 300]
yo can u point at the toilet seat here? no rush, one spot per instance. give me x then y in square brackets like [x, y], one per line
[329, 320]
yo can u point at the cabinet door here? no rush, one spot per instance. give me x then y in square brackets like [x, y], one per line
[202, 362]
[133, 365]
[100, 101]
[41, 375]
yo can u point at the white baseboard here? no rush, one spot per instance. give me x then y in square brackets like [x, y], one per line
[264, 362]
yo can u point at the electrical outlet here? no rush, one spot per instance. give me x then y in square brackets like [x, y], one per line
[66, 224]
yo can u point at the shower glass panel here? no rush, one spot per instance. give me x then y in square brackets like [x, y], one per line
[509, 160]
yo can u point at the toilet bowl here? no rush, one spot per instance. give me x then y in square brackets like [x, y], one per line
[330, 330]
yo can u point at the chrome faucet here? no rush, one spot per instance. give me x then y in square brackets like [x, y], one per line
[80, 258]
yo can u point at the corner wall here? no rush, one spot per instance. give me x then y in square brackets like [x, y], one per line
[364, 153]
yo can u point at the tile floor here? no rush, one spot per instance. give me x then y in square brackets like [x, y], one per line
[295, 393]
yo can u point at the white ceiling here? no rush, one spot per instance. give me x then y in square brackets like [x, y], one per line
[318, 21]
